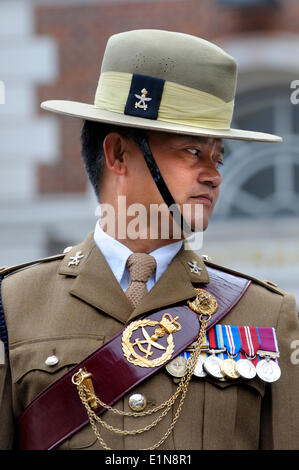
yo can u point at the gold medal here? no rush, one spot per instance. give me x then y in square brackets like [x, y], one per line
[228, 368]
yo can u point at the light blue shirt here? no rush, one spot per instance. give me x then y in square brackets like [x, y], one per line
[116, 255]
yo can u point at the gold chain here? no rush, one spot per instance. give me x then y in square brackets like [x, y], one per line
[182, 389]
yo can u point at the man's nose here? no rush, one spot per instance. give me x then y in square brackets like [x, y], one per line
[209, 174]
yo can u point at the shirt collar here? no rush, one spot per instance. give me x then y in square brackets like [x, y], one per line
[116, 253]
[164, 256]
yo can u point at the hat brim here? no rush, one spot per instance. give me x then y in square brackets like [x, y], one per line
[92, 113]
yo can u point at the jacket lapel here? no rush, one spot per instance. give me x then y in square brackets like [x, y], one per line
[95, 284]
[94, 281]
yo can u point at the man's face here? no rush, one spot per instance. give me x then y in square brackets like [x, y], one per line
[190, 168]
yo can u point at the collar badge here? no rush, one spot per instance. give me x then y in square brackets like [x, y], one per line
[75, 260]
[194, 268]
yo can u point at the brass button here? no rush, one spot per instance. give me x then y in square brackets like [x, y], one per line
[137, 402]
[51, 361]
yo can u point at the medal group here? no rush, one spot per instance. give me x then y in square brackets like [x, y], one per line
[232, 352]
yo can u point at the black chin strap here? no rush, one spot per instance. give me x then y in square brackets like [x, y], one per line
[161, 185]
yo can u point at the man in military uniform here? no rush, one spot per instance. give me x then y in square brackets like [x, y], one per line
[163, 105]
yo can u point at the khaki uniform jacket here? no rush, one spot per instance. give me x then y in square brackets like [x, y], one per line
[70, 311]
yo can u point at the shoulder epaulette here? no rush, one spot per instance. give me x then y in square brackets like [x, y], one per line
[267, 284]
[4, 271]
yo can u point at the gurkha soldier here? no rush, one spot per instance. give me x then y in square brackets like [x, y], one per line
[141, 343]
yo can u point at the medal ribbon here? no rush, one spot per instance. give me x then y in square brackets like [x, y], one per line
[220, 341]
[250, 341]
[232, 341]
[186, 354]
[206, 341]
[268, 340]
[211, 338]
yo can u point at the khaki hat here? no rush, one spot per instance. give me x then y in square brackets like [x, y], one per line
[164, 81]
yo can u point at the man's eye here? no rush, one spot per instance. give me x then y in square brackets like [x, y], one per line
[194, 151]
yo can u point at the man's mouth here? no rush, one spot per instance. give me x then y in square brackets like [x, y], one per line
[205, 198]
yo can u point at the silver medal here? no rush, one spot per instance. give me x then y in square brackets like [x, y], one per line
[268, 370]
[212, 366]
[177, 367]
[246, 368]
[199, 370]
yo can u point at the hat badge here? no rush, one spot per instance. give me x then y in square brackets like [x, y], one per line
[142, 100]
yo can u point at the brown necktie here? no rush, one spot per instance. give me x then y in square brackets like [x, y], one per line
[140, 266]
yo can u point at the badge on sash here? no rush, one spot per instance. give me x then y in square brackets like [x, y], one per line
[132, 350]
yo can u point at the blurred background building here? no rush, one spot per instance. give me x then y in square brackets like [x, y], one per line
[52, 49]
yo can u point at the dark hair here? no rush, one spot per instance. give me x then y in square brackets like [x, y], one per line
[92, 141]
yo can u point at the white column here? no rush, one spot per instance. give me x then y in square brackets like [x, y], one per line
[26, 139]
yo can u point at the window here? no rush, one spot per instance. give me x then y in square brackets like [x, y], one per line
[261, 180]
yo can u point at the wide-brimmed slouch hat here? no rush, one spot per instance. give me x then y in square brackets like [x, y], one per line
[164, 81]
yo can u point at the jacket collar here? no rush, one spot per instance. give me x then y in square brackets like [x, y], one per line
[95, 284]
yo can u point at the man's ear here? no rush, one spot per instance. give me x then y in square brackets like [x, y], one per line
[114, 149]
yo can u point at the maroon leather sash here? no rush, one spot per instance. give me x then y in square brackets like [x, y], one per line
[57, 413]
